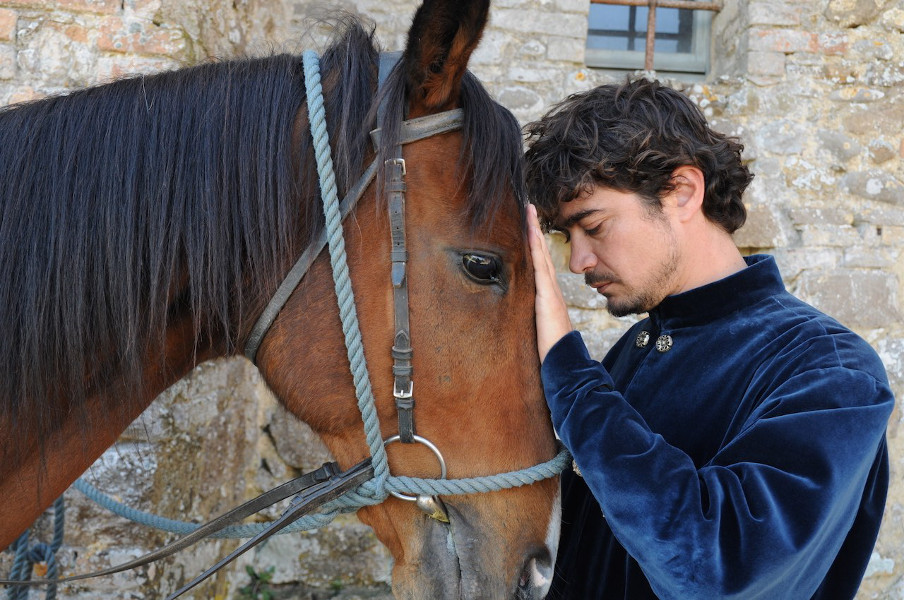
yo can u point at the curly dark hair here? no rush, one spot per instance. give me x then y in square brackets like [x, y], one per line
[631, 137]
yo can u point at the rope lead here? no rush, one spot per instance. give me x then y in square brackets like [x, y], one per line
[27, 557]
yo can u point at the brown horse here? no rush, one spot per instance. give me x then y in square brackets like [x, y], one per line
[144, 225]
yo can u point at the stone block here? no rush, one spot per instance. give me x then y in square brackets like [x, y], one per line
[891, 351]
[580, 80]
[856, 297]
[491, 48]
[512, 4]
[773, 12]
[874, 120]
[531, 50]
[762, 229]
[97, 6]
[880, 151]
[794, 261]
[142, 5]
[54, 54]
[874, 184]
[781, 136]
[344, 553]
[117, 66]
[857, 94]
[852, 13]
[873, 49]
[572, 6]
[866, 257]
[879, 214]
[115, 35]
[7, 25]
[94, 6]
[543, 22]
[525, 74]
[769, 65]
[39, 4]
[296, 442]
[599, 342]
[577, 294]
[7, 61]
[840, 72]
[24, 93]
[832, 43]
[520, 98]
[892, 235]
[566, 49]
[808, 215]
[887, 74]
[839, 236]
[893, 18]
[839, 145]
[785, 41]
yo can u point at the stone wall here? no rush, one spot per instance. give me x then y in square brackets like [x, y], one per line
[814, 88]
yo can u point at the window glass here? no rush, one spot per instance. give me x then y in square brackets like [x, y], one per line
[617, 38]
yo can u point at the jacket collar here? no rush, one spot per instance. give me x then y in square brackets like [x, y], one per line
[760, 280]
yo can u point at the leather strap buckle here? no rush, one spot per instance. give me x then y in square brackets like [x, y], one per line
[401, 394]
[397, 162]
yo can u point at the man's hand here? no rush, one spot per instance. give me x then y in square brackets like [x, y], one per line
[552, 312]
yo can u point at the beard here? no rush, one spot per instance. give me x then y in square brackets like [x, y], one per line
[643, 296]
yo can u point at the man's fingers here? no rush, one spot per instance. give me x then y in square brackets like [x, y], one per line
[539, 251]
[551, 310]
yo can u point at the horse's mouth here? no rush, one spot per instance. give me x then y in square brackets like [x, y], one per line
[454, 565]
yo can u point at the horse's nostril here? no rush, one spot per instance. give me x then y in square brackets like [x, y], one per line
[536, 576]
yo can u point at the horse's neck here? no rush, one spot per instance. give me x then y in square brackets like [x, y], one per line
[30, 480]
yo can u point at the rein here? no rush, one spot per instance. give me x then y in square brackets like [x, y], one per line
[329, 490]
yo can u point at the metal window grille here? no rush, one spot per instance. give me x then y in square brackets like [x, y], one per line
[634, 33]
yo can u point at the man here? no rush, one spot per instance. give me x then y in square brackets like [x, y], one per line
[732, 443]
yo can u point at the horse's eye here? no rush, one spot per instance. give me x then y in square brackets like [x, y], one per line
[482, 268]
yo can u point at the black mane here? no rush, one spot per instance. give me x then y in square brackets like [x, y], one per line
[122, 201]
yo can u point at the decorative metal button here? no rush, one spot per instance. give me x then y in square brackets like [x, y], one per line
[664, 343]
[642, 339]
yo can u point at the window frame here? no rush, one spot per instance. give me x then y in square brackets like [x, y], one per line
[696, 62]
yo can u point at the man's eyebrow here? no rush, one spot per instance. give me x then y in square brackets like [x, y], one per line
[576, 218]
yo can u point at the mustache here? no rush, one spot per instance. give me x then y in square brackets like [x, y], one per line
[593, 278]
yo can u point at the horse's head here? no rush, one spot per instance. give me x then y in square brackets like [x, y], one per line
[475, 367]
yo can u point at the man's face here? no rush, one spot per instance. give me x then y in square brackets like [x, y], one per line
[626, 250]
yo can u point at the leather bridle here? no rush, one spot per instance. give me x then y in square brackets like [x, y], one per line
[394, 188]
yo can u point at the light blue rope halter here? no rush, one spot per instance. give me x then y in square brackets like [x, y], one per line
[383, 483]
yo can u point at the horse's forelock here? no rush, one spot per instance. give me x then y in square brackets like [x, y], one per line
[494, 143]
[491, 149]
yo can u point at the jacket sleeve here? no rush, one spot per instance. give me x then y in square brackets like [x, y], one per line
[765, 517]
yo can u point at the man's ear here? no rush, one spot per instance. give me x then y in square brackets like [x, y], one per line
[688, 190]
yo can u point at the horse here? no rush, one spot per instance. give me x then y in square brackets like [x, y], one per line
[145, 224]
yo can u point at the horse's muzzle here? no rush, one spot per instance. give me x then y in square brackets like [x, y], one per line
[462, 560]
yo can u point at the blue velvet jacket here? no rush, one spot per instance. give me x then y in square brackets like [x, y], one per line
[748, 460]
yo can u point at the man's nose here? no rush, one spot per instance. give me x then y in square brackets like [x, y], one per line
[582, 258]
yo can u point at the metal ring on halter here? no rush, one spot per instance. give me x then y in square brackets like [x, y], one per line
[433, 448]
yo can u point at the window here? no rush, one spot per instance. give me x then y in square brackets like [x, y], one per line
[617, 35]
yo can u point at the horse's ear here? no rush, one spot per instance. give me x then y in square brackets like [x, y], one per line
[440, 42]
